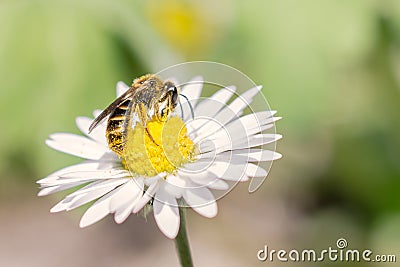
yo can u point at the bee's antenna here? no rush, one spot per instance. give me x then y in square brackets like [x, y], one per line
[190, 105]
[180, 105]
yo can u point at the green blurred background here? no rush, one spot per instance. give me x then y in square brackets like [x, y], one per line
[331, 68]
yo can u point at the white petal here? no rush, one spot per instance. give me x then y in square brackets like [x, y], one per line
[98, 185]
[257, 140]
[106, 187]
[87, 176]
[251, 121]
[202, 201]
[57, 188]
[155, 179]
[195, 176]
[227, 135]
[243, 100]
[224, 94]
[211, 106]
[121, 88]
[237, 128]
[197, 168]
[255, 183]
[175, 185]
[205, 126]
[99, 210]
[176, 181]
[123, 211]
[77, 145]
[62, 205]
[98, 134]
[236, 133]
[221, 139]
[256, 118]
[267, 124]
[85, 166]
[218, 185]
[205, 178]
[228, 171]
[146, 197]
[259, 154]
[192, 89]
[220, 145]
[254, 170]
[235, 109]
[98, 174]
[200, 126]
[166, 213]
[253, 155]
[128, 194]
[259, 129]
[233, 159]
[71, 202]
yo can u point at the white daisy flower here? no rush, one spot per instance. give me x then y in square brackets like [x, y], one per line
[199, 156]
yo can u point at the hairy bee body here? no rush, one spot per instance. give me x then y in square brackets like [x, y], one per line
[147, 98]
[115, 130]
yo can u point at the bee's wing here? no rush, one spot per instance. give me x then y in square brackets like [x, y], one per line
[111, 108]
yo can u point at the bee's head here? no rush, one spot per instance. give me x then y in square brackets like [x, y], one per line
[169, 100]
[172, 92]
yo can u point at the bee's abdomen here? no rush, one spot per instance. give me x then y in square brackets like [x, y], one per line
[116, 129]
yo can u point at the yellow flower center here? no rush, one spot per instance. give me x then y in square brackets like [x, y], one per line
[164, 147]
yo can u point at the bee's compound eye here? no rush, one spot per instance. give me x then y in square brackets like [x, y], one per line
[175, 95]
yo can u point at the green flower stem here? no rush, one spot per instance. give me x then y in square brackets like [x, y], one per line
[182, 242]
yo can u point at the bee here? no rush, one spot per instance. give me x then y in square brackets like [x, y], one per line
[148, 97]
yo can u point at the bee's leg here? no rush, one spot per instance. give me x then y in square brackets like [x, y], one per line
[157, 113]
[151, 137]
[142, 113]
